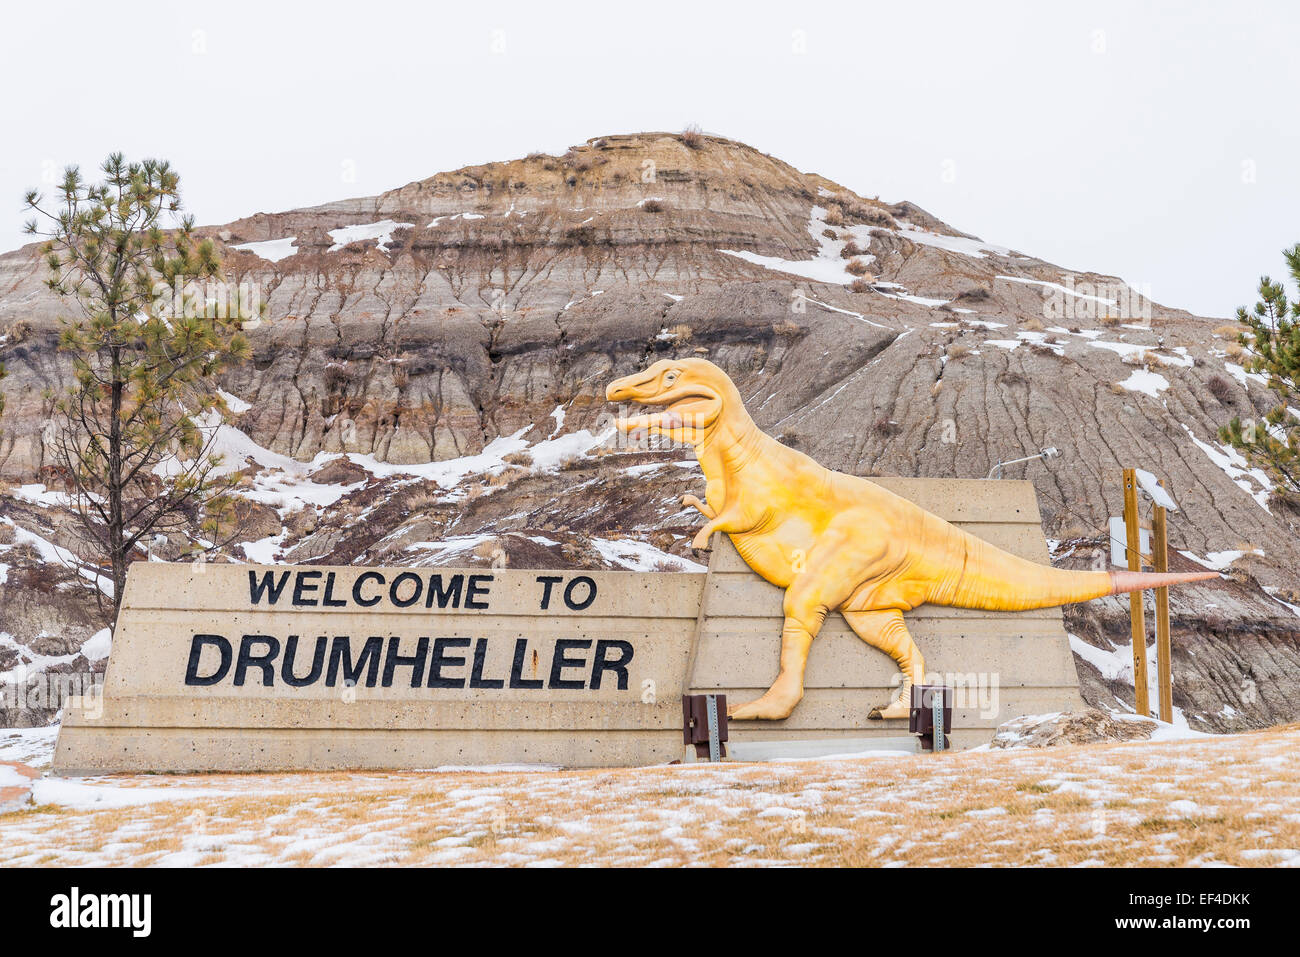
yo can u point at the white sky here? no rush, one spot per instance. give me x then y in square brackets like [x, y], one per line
[1105, 137]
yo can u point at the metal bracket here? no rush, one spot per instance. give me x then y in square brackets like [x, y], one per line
[704, 724]
[711, 703]
[931, 716]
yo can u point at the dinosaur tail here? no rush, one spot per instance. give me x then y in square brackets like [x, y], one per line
[995, 580]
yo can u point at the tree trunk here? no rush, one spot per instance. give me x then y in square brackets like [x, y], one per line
[116, 531]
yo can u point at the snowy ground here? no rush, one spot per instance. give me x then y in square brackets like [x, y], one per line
[1231, 799]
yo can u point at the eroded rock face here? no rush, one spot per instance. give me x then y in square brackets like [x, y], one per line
[1090, 726]
[439, 321]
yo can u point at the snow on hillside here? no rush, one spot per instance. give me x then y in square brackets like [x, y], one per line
[272, 250]
[381, 232]
[830, 265]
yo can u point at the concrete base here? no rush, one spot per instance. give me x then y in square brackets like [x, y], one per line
[803, 748]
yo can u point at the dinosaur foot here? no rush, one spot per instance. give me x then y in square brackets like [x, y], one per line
[770, 707]
[895, 709]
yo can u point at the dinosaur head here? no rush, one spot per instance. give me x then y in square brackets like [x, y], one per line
[695, 392]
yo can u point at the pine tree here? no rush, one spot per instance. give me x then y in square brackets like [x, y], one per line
[135, 429]
[1271, 342]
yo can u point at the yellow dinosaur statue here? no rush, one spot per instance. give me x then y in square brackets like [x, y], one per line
[837, 541]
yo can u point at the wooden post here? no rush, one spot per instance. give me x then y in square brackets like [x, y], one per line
[1137, 614]
[1164, 650]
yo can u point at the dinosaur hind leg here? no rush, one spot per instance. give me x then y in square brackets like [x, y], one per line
[885, 630]
[804, 614]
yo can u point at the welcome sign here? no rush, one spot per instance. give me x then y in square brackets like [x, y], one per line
[231, 667]
[357, 660]
[238, 667]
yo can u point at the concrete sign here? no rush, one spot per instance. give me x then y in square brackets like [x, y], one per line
[239, 667]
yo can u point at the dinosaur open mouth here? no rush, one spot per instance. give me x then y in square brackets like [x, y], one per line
[696, 410]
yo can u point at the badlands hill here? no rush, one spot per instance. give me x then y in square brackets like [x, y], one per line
[428, 389]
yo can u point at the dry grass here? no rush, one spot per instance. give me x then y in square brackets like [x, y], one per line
[1220, 389]
[1231, 799]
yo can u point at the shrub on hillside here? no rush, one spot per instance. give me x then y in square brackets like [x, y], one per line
[1220, 389]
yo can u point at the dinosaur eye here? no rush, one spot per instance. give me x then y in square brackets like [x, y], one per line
[671, 377]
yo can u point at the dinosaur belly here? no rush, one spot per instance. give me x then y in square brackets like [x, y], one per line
[778, 554]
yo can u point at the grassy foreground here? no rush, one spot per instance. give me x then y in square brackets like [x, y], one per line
[1233, 799]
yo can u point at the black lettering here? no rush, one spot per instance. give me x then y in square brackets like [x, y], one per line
[517, 679]
[415, 595]
[264, 661]
[476, 679]
[341, 653]
[475, 589]
[300, 587]
[197, 644]
[602, 664]
[441, 660]
[415, 662]
[329, 601]
[548, 581]
[366, 602]
[452, 594]
[560, 662]
[591, 593]
[317, 662]
[267, 586]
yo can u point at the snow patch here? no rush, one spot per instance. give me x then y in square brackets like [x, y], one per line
[1237, 469]
[272, 250]
[641, 556]
[381, 232]
[1145, 381]
[98, 645]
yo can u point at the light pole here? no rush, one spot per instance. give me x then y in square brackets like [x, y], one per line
[1050, 452]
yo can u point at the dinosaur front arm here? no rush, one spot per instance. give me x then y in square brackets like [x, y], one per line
[733, 520]
[690, 501]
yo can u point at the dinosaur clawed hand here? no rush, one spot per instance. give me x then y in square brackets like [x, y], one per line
[690, 501]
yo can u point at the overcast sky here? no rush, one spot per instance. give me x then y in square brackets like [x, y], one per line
[1156, 142]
